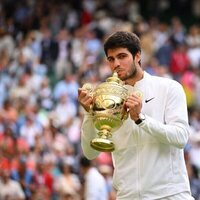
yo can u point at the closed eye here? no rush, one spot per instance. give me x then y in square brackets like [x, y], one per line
[119, 57]
[122, 55]
[110, 59]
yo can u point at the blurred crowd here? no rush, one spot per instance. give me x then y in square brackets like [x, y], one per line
[47, 51]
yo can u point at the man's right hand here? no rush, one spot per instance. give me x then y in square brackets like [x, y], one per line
[85, 98]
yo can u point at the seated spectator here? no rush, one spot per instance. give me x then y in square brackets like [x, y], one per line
[30, 130]
[24, 176]
[179, 61]
[8, 112]
[67, 183]
[43, 178]
[95, 186]
[9, 189]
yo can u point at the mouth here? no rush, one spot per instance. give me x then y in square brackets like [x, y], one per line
[119, 73]
[117, 69]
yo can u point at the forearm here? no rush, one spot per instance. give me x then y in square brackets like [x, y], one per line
[88, 132]
[170, 126]
[175, 134]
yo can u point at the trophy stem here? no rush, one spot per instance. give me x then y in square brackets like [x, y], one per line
[103, 143]
[105, 132]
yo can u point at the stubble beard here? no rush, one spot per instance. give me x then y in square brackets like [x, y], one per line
[131, 74]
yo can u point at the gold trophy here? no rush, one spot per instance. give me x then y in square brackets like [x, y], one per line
[107, 110]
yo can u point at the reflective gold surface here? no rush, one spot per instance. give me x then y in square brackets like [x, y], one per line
[107, 110]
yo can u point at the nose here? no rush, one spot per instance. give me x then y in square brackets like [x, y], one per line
[116, 64]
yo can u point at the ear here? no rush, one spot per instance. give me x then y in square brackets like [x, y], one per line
[138, 59]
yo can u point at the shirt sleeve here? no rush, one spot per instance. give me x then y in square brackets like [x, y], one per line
[88, 132]
[174, 129]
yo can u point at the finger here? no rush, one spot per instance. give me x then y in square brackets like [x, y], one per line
[132, 105]
[89, 101]
[81, 90]
[87, 104]
[83, 93]
[134, 97]
[133, 102]
[86, 99]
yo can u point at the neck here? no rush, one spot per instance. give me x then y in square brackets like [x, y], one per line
[131, 81]
[5, 180]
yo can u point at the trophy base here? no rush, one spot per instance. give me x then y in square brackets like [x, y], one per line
[101, 144]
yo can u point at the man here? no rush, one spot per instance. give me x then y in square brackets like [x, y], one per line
[95, 187]
[148, 158]
[24, 176]
[9, 189]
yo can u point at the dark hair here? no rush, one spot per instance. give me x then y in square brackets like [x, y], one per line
[123, 39]
[84, 162]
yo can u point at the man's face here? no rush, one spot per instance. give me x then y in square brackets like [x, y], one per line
[5, 174]
[122, 61]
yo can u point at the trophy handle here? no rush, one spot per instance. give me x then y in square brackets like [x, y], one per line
[125, 114]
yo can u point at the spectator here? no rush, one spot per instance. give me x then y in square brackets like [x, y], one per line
[107, 172]
[179, 61]
[9, 189]
[67, 86]
[24, 176]
[21, 90]
[94, 183]
[30, 130]
[63, 63]
[64, 112]
[9, 112]
[43, 178]
[8, 143]
[49, 50]
[68, 182]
